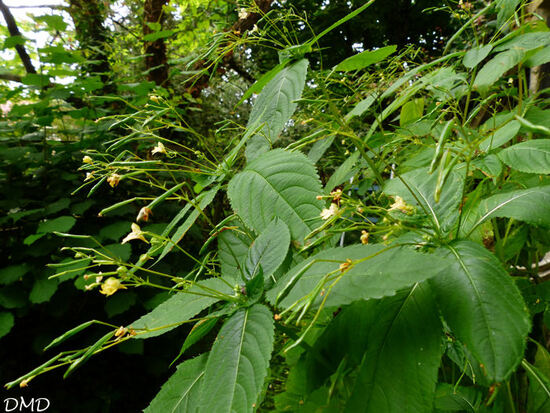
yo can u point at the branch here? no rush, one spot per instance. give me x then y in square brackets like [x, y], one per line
[40, 6]
[14, 31]
[11, 77]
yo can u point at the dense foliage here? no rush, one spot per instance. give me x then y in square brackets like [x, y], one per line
[363, 230]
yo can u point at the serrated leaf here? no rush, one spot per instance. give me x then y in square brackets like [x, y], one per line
[444, 213]
[530, 156]
[180, 393]
[382, 272]
[6, 323]
[483, 308]
[523, 205]
[268, 251]
[275, 106]
[233, 247]
[402, 356]
[364, 59]
[238, 362]
[199, 330]
[177, 309]
[501, 136]
[475, 56]
[279, 184]
[496, 67]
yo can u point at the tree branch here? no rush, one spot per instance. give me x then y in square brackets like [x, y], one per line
[11, 77]
[14, 31]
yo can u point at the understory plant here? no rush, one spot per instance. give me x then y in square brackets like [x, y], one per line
[387, 256]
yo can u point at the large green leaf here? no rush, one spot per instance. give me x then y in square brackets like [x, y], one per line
[402, 356]
[506, 9]
[417, 188]
[364, 59]
[6, 323]
[483, 308]
[375, 271]
[501, 136]
[279, 184]
[275, 106]
[180, 393]
[268, 251]
[496, 67]
[233, 244]
[475, 56]
[530, 156]
[523, 205]
[526, 41]
[61, 224]
[178, 309]
[238, 363]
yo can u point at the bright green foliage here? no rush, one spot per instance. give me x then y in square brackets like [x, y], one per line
[496, 67]
[364, 59]
[483, 307]
[182, 390]
[274, 107]
[475, 56]
[233, 245]
[237, 364]
[403, 351]
[278, 184]
[539, 383]
[531, 156]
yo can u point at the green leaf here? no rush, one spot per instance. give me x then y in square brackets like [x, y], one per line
[483, 308]
[199, 330]
[525, 42]
[279, 184]
[42, 290]
[496, 67]
[13, 41]
[402, 357]
[417, 188]
[523, 205]
[13, 273]
[362, 106]
[238, 363]
[275, 106]
[6, 323]
[54, 22]
[61, 224]
[261, 82]
[268, 251]
[411, 111]
[530, 156]
[163, 34]
[233, 244]
[376, 271]
[538, 400]
[342, 173]
[119, 303]
[539, 58]
[475, 56]
[31, 239]
[178, 309]
[506, 9]
[457, 398]
[180, 393]
[501, 136]
[364, 59]
[34, 79]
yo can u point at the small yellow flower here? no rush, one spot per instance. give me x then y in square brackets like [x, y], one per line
[24, 383]
[254, 29]
[329, 212]
[89, 175]
[121, 332]
[154, 98]
[99, 279]
[243, 14]
[160, 148]
[144, 214]
[336, 195]
[135, 234]
[111, 286]
[113, 180]
[400, 205]
[87, 159]
[345, 265]
[364, 237]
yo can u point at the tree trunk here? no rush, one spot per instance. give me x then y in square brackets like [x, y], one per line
[88, 17]
[155, 51]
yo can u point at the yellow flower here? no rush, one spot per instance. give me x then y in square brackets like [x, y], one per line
[121, 332]
[400, 205]
[135, 234]
[345, 265]
[243, 14]
[364, 237]
[87, 159]
[113, 180]
[160, 148]
[336, 195]
[89, 175]
[144, 214]
[329, 212]
[111, 286]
